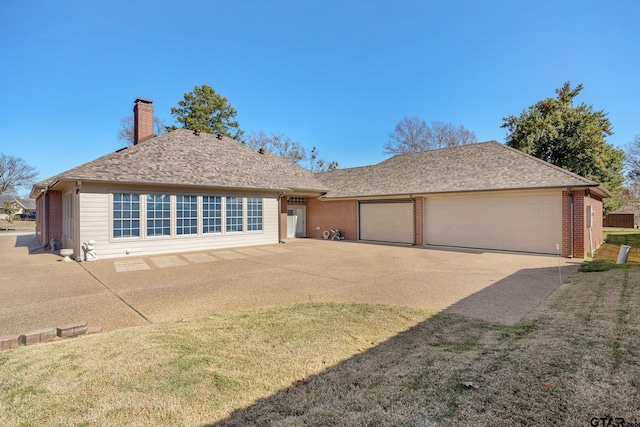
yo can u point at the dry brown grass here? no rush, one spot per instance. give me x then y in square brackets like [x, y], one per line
[577, 356]
[574, 358]
[609, 251]
[17, 226]
[186, 373]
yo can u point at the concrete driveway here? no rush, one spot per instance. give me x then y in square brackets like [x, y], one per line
[38, 291]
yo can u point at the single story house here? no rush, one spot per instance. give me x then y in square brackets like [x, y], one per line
[185, 191]
[26, 206]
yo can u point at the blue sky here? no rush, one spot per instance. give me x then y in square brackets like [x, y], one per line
[335, 74]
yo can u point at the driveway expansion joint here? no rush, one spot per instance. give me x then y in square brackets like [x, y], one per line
[138, 312]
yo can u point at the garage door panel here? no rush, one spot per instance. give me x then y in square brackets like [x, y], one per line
[523, 222]
[387, 222]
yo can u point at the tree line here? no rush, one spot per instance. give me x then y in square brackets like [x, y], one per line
[555, 129]
[569, 135]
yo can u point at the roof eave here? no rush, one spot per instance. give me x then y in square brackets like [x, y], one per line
[164, 184]
[595, 188]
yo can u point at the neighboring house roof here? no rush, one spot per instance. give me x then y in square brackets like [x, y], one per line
[182, 158]
[629, 208]
[24, 203]
[474, 167]
[29, 204]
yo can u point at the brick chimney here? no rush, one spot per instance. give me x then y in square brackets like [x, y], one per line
[142, 120]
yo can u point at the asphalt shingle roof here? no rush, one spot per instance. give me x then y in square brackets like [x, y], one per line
[474, 167]
[26, 203]
[182, 158]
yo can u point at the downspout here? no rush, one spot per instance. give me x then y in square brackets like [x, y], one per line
[77, 249]
[570, 222]
[414, 218]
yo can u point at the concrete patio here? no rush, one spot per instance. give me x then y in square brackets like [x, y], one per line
[39, 291]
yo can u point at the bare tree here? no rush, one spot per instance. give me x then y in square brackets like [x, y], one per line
[413, 134]
[410, 135]
[632, 158]
[283, 146]
[125, 134]
[278, 144]
[632, 163]
[14, 174]
[447, 135]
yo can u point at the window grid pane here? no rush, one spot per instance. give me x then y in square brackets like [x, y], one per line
[234, 214]
[126, 215]
[186, 215]
[158, 215]
[254, 214]
[212, 214]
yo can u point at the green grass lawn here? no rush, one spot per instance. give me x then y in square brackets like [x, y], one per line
[607, 254]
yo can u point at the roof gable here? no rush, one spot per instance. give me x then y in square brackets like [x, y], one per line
[474, 167]
[183, 158]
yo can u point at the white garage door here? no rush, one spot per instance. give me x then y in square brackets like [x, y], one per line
[527, 222]
[387, 222]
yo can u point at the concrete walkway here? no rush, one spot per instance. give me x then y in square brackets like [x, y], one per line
[38, 291]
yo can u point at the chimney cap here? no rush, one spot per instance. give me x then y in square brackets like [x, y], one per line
[143, 101]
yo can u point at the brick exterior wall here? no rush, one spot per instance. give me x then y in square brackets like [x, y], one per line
[54, 221]
[579, 225]
[418, 221]
[142, 121]
[49, 217]
[597, 224]
[581, 199]
[341, 214]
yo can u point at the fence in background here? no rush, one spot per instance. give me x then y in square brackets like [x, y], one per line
[618, 220]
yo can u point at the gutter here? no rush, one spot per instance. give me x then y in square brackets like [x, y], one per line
[148, 184]
[413, 201]
[595, 188]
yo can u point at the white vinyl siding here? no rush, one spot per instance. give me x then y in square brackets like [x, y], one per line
[387, 222]
[96, 224]
[520, 221]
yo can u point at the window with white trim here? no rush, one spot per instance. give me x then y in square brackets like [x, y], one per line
[186, 215]
[254, 214]
[158, 215]
[126, 215]
[68, 214]
[234, 214]
[211, 214]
